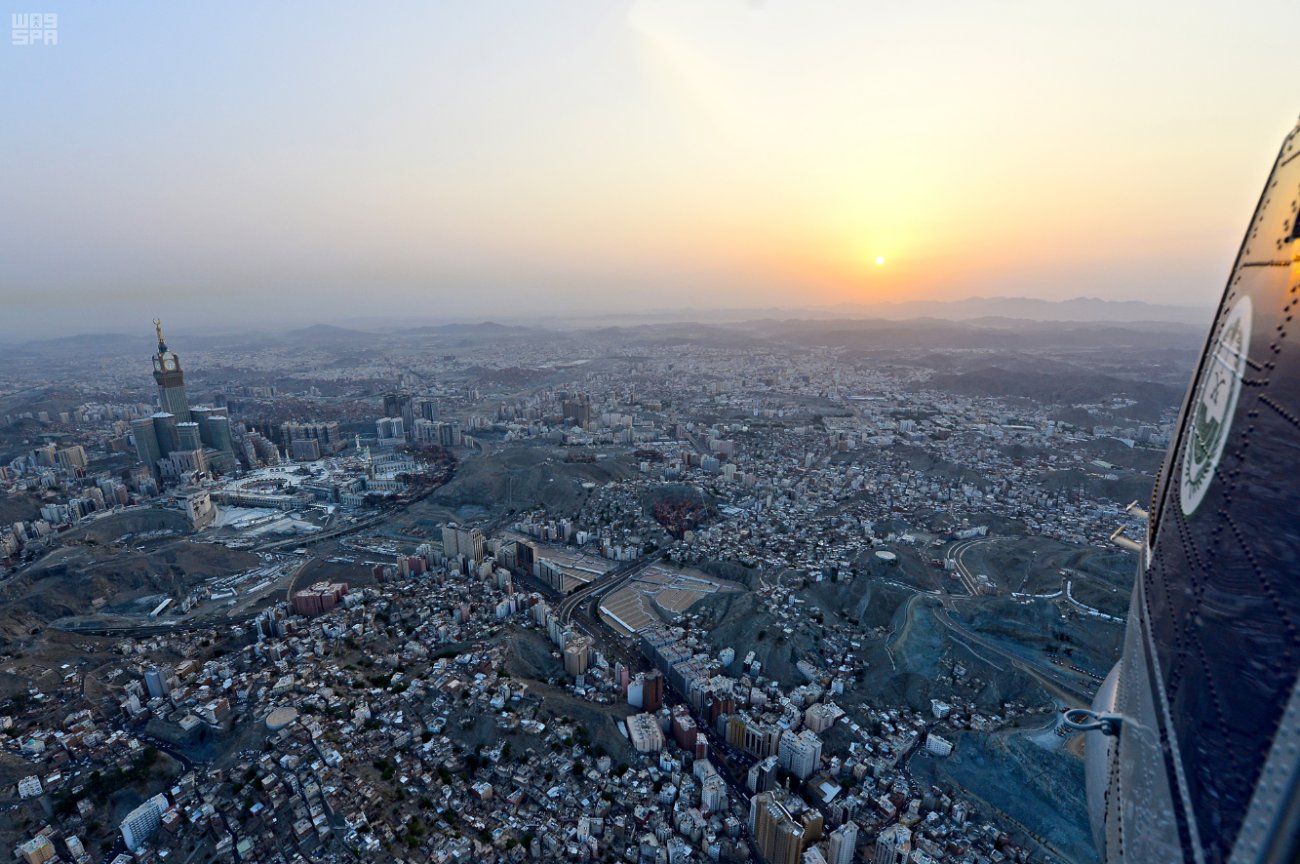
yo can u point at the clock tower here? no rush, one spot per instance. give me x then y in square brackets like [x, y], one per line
[171, 380]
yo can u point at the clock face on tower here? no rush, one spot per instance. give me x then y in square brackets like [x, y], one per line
[170, 363]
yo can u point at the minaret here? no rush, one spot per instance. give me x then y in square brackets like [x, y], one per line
[171, 380]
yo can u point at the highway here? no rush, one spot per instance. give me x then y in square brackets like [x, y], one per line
[309, 539]
[580, 608]
[956, 553]
[606, 584]
[1046, 674]
[187, 764]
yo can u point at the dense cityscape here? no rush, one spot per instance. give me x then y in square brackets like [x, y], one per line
[791, 592]
[650, 432]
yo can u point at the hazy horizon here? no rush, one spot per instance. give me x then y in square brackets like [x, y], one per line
[978, 311]
[245, 163]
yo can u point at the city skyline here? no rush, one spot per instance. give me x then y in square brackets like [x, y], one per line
[259, 164]
[779, 590]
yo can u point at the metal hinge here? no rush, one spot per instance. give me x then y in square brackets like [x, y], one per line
[1087, 720]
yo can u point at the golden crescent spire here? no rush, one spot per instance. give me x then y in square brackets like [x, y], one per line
[157, 326]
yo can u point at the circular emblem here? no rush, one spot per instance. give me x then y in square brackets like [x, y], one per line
[1213, 406]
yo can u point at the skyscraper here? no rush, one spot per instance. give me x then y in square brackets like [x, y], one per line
[776, 833]
[146, 443]
[188, 436]
[164, 425]
[141, 822]
[843, 841]
[158, 679]
[653, 694]
[800, 754]
[399, 405]
[171, 380]
[893, 844]
[575, 655]
[219, 437]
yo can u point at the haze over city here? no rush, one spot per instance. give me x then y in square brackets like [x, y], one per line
[227, 164]
[656, 432]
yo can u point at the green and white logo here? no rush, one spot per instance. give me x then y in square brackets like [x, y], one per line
[1213, 407]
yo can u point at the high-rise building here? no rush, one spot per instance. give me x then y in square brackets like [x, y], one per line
[141, 822]
[652, 695]
[844, 840]
[463, 541]
[425, 431]
[424, 408]
[72, 457]
[893, 844]
[188, 437]
[813, 822]
[645, 734]
[327, 435]
[164, 426]
[777, 834]
[146, 443]
[398, 405]
[575, 655]
[800, 754]
[762, 776]
[684, 729]
[37, 850]
[713, 793]
[171, 380]
[319, 598]
[200, 414]
[757, 738]
[159, 680]
[387, 428]
[219, 436]
[449, 434]
[577, 410]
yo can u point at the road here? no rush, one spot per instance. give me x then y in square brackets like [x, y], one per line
[293, 579]
[119, 847]
[330, 534]
[956, 553]
[580, 608]
[604, 585]
[1046, 674]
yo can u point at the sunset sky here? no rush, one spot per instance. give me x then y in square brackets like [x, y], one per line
[216, 162]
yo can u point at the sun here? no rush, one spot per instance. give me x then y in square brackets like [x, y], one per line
[880, 259]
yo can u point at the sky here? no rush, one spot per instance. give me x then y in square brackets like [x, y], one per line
[229, 163]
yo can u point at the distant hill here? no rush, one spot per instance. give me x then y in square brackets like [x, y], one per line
[988, 333]
[726, 325]
[1079, 309]
[1091, 309]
